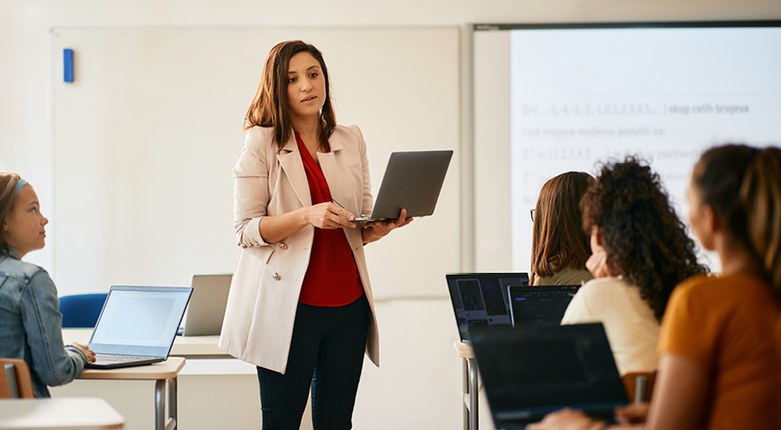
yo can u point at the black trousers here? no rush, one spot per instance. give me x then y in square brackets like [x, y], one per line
[326, 353]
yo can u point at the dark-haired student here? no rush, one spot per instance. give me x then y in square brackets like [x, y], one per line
[720, 345]
[640, 252]
[30, 319]
[300, 306]
[559, 246]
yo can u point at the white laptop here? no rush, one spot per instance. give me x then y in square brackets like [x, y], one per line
[137, 325]
[207, 307]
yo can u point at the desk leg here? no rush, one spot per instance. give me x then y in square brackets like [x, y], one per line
[465, 390]
[473, 394]
[160, 404]
[173, 420]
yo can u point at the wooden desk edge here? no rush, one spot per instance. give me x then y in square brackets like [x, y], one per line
[170, 369]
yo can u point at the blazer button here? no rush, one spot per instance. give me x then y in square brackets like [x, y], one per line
[283, 245]
[276, 276]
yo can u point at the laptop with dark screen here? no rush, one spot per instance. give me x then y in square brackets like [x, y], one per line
[137, 325]
[540, 305]
[532, 371]
[481, 299]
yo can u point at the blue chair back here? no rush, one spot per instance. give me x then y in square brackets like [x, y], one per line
[81, 310]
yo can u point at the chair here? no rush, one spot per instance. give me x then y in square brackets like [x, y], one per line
[639, 385]
[81, 310]
[15, 380]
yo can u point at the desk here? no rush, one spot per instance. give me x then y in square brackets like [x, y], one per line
[162, 373]
[470, 390]
[84, 413]
[184, 346]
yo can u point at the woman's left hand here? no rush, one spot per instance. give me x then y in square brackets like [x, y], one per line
[376, 230]
[566, 419]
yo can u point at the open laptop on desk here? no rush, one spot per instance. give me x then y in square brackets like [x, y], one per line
[207, 306]
[481, 299]
[530, 372]
[137, 325]
[540, 305]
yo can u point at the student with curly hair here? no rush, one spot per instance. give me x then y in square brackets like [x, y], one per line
[559, 246]
[640, 252]
[720, 345]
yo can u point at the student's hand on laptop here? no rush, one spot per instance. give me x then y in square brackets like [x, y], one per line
[376, 230]
[86, 351]
[567, 419]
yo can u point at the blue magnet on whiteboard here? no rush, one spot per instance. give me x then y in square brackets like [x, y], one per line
[67, 65]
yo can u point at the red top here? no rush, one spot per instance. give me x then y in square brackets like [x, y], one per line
[332, 277]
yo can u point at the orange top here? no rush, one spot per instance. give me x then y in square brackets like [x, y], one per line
[731, 327]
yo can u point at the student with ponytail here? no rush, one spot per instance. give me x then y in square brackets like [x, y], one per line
[30, 319]
[720, 343]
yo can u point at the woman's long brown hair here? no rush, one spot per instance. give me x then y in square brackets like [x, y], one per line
[270, 108]
[558, 240]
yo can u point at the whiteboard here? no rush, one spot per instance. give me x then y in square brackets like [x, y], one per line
[147, 134]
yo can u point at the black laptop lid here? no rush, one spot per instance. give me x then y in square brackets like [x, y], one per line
[529, 372]
[540, 305]
[481, 299]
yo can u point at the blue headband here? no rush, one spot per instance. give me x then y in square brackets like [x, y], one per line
[19, 186]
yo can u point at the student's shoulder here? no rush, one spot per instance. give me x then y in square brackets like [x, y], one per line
[19, 270]
[603, 285]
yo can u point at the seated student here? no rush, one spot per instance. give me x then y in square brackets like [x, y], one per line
[559, 245]
[640, 252]
[721, 336]
[30, 320]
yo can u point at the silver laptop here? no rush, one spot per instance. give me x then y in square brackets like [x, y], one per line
[207, 307]
[137, 325]
[412, 181]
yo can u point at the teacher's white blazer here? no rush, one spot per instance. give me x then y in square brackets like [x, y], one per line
[261, 309]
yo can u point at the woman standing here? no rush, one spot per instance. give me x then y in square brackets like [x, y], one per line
[30, 319]
[300, 306]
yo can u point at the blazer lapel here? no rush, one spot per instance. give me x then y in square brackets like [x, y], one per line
[290, 162]
[334, 173]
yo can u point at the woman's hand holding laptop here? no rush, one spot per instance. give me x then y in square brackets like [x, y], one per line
[375, 230]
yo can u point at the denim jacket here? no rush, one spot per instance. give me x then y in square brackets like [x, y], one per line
[31, 325]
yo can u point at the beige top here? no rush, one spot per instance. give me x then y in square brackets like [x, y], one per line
[567, 276]
[631, 327]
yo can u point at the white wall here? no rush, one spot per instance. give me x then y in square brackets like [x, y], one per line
[25, 134]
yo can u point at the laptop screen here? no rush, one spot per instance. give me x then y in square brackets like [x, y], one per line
[540, 305]
[139, 320]
[531, 371]
[481, 299]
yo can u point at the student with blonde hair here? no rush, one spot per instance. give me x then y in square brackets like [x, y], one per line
[30, 319]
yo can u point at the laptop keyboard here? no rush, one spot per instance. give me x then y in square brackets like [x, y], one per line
[102, 358]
